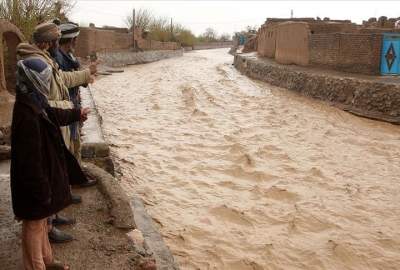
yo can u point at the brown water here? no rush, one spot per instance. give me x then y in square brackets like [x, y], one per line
[242, 175]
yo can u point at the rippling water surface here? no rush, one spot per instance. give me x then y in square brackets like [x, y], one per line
[241, 175]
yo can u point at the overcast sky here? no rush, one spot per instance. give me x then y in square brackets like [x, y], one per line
[229, 16]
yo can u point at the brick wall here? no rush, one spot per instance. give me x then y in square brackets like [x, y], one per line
[332, 27]
[292, 46]
[350, 52]
[373, 30]
[324, 49]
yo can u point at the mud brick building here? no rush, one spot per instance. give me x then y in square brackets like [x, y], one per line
[333, 44]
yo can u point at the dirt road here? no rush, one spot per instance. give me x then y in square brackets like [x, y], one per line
[242, 175]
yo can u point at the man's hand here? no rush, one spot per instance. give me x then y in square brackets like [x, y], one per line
[91, 79]
[84, 114]
[93, 67]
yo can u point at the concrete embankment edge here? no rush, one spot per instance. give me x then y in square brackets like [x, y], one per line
[153, 239]
[94, 147]
[367, 97]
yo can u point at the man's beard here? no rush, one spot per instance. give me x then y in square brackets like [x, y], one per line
[53, 49]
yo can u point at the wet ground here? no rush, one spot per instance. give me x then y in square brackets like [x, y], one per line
[242, 175]
[97, 245]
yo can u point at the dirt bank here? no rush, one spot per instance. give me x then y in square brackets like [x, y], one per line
[98, 244]
[239, 174]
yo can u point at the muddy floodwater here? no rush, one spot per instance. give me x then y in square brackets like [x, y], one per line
[240, 175]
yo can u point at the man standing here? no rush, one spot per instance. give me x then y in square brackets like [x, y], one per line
[66, 60]
[41, 165]
[45, 39]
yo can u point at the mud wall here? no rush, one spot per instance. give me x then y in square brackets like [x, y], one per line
[266, 41]
[96, 40]
[375, 99]
[292, 43]
[108, 40]
[350, 52]
[212, 45]
[342, 46]
[10, 36]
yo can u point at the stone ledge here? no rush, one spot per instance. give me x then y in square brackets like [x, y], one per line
[120, 208]
[368, 96]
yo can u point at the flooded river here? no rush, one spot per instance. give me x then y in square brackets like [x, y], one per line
[241, 175]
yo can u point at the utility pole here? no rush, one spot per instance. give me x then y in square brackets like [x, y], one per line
[133, 29]
[172, 31]
[291, 13]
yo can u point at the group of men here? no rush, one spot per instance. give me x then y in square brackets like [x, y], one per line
[45, 140]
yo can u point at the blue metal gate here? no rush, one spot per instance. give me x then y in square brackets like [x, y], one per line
[390, 56]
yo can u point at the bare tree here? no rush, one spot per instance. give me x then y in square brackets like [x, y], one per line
[143, 19]
[27, 14]
[183, 35]
[251, 29]
[209, 35]
[225, 37]
[160, 28]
